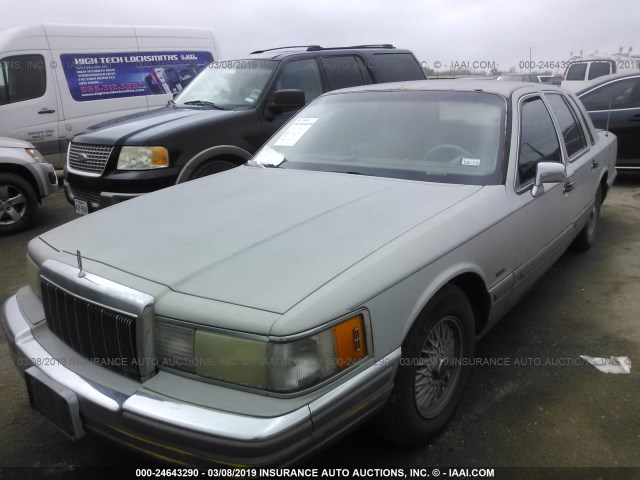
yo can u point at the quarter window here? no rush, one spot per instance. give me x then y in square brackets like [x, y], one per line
[538, 140]
[301, 75]
[614, 95]
[569, 126]
[22, 77]
[395, 67]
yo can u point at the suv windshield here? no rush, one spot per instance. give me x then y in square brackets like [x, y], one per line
[233, 83]
[447, 137]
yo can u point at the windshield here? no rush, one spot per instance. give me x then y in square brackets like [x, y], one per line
[447, 137]
[226, 84]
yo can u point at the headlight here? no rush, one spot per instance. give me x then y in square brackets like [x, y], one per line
[35, 154]
[284, 366]
[143, 158]
[33, 275]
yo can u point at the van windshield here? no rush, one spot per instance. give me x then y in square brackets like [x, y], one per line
[227, 84]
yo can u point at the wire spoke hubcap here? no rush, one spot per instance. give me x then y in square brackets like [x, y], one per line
[439, 367]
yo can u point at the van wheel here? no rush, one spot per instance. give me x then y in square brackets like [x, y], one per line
[211, 167]
[18, 203]
[432, 371]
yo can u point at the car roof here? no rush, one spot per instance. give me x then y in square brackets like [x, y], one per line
[596, 82]
[505, 89]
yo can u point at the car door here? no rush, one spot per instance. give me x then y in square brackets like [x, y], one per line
[29, 107]
[615, 106]
[582, 165]
[303, 74]
[542, 222]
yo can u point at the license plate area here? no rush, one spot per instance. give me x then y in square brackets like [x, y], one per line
[82, 207]
[54, 402]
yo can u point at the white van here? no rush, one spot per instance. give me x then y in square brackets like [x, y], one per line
[56, 80]
[579, 73]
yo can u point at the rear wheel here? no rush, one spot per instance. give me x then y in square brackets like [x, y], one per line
[212, 167]
[587, 236]
[18, 203]
[432, 373]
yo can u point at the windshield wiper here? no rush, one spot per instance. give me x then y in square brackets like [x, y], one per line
[203, 103]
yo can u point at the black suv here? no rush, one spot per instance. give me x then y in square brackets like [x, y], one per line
[219, 120]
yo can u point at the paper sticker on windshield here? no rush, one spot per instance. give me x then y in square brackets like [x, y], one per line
[295, 132]
[268, 156]
[470, 162]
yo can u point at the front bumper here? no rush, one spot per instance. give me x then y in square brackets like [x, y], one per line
[113, 187]
[46, 178]
[183, 433]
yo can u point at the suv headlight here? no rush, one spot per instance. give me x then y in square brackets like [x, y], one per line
[280, 366]
[143, 158]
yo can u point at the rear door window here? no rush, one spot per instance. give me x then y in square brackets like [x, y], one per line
[346, 71]
[570, 127]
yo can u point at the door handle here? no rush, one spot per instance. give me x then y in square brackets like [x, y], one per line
[569, 185]
[594, 164]
[46, 110]
[635, 118]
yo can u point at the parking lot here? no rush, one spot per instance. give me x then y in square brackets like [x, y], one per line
[530, 402]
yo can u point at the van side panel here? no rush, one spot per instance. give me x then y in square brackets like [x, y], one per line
[29, 105]
[53, 118]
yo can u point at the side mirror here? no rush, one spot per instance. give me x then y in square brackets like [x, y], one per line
[548, 172]
[287, 101]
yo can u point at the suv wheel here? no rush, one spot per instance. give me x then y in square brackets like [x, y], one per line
[212, 166]
[18, 203]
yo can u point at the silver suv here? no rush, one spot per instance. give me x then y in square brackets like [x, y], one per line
[25, 179]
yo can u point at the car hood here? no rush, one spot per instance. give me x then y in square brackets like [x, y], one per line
[261, 238]
[14, 143]
[140, 128]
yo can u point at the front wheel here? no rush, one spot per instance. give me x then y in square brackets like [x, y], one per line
[18, 203]
[432, 371]
[212, 167]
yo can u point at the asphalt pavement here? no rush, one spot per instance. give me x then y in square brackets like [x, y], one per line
[530, 401]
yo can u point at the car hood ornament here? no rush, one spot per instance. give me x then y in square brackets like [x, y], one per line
[80, 272]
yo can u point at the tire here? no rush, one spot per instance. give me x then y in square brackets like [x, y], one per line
[587, 236]
[212, 167]
[18, 203]
[415, 411]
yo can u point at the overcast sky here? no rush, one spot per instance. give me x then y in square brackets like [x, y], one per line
[445, 31]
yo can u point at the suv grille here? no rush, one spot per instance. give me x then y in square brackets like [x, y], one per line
[89, 197]
[104, 336]
[88, 158]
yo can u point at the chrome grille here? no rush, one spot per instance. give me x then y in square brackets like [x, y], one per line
[105, 337]
[89, 158]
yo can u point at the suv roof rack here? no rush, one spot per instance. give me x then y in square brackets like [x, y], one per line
[308, 47]
[314, 48]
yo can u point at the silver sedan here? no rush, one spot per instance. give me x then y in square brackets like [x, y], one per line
[342, 276]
